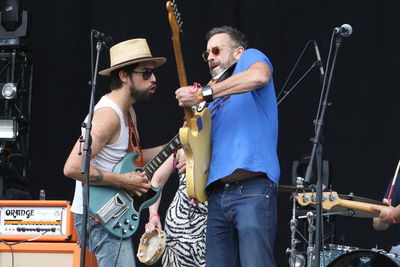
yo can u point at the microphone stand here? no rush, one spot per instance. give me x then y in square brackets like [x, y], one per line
[319, 123]
[85, 167]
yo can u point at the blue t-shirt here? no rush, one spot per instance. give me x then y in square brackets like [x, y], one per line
[244, 131]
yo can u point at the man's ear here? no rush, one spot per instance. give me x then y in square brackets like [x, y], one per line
[239, 52]
[123, 76]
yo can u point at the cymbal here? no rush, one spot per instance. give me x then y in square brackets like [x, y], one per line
[291, 189]
[361, 199]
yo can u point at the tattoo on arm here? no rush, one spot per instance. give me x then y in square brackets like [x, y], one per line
[97, 178]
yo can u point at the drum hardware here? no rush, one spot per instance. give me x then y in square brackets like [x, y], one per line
[295, 259]
[311, 229]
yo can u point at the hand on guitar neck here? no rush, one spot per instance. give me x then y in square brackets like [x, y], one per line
[387, 216]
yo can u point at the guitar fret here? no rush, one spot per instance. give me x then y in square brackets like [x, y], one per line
[152, 167]
[162, 156]
[156, 165]
[147, 170]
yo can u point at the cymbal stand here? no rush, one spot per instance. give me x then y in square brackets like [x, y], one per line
[311, 228]
[293, 241]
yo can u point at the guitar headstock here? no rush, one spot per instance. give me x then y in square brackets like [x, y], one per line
[174, 17]
[329, 199]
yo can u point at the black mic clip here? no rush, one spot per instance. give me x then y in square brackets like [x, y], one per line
[106, 40]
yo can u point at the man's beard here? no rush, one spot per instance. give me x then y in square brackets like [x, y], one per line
[141, 96]
[221, 68]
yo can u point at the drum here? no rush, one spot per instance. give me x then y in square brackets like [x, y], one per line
[151, 247]
[333, 251]
[364, 258]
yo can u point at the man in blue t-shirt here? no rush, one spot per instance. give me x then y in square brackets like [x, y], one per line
[244, 168]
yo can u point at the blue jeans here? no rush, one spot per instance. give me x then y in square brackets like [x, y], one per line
[105, 246]
[241, 223]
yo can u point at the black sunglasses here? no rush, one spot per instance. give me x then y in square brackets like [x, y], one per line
[146, 73]
[214, 50]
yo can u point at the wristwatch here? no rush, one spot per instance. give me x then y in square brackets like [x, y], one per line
[207, 93]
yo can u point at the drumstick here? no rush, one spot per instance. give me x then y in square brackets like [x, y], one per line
[393, 182]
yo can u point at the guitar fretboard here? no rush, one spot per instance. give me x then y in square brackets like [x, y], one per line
[151, 167]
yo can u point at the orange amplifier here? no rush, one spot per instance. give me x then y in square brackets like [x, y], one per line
[36, 220]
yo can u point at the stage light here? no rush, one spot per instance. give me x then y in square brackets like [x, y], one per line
[11, 14]
[8, 129]
[9, 90]
[299, 169]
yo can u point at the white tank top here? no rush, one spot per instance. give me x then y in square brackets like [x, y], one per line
[110, 154]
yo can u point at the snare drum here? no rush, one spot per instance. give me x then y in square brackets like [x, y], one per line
[364, 257]
[151, 247]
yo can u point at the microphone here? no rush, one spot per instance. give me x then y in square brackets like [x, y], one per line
[105, 39]
[321, 67]
[345, 30]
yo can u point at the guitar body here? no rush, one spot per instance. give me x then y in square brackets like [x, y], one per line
[116, 209]
[196, 143]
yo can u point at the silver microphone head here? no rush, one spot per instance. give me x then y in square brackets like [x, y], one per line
[347, 30]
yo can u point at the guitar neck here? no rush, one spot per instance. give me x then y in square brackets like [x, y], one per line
[360, 206]
[176, 29]
[151, 167]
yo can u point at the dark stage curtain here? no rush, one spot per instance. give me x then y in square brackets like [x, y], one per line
[360, 137]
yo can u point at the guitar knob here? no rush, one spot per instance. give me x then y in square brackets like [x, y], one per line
[126, 221]
[314, 197]
[131, 227]
[124, 231]
[117, 225]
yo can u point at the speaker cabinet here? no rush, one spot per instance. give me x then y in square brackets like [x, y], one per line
[44, 254]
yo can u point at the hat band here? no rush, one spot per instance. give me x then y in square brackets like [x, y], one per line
[124, 62]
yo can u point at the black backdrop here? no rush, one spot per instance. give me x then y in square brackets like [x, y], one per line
[361, 131]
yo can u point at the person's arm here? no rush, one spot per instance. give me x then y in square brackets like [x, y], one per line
[160, 178]
[150, 153]
[256, 76]
[105, 130]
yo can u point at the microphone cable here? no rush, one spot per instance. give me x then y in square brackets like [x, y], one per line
[286, 93]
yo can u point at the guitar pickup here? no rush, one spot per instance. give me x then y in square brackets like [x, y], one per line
[113, 208]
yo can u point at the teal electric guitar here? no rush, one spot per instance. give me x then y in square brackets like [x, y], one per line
[118, 210]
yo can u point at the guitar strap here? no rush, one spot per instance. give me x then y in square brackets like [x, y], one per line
[132, 131]
[218, 78]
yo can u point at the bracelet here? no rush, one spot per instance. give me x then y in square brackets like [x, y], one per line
[391, 217]
[207, 93]
[198, 91]
[154, 214]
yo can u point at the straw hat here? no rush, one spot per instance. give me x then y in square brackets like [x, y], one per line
[131, 52]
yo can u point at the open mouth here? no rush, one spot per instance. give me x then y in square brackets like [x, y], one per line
[152, 89]
[213, 66]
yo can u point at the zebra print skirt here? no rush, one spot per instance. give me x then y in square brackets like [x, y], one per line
[185, 228]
